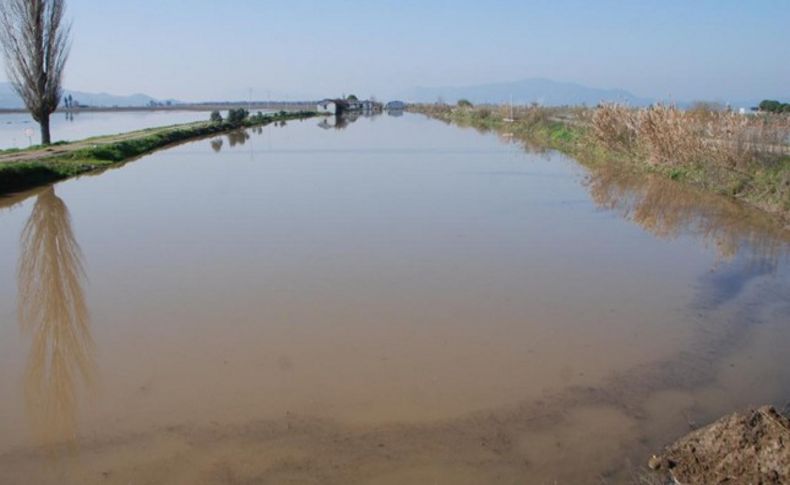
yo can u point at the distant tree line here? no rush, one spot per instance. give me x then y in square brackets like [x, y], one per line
[68, 101]
[773, 106]
[235, 116]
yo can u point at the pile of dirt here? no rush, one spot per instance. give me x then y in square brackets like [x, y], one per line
[752, 447]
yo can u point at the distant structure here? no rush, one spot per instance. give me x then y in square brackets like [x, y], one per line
[370, 106]
[396, 106]
[339, 106]
[353, 104]
[329, 106]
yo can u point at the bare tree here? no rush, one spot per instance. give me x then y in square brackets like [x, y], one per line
[35, 42]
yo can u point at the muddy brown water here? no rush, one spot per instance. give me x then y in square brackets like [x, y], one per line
[397, 301]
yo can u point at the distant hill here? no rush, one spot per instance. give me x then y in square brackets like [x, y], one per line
[10, 100]
[543, 91]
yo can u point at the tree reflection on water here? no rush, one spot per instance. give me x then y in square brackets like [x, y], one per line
[668, 209]
[53, 311]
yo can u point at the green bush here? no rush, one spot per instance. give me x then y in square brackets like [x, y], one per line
[216, 117]
[773, 106]
[237, 116]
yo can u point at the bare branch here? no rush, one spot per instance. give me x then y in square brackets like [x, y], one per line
[35, 42]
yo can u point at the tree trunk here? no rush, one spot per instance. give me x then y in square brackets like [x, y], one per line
[45, 139]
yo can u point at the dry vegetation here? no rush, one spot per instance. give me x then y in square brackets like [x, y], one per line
[668, 135]
[742, 156]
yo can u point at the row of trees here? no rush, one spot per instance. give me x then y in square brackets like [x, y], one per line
[773, 106]
[235, 116]
[69, 102]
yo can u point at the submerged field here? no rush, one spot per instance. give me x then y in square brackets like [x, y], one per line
[397, 301]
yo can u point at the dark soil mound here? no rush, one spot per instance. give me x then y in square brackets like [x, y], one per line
[741, 448]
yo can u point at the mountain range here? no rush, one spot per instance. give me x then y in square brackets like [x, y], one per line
[548, 92]
[536, 90]
[543, 91]
[10, 100]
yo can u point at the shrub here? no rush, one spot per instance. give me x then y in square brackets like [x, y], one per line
[237, 116]
[770, 105]
[464, 103]
[616, 126]
[532, 115]
[670, 136]
[216, 117]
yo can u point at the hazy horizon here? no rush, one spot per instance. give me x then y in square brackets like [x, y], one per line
[199, 50]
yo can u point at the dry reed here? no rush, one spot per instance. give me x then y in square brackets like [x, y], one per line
[668, 135]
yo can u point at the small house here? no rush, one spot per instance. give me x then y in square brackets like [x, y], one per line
[335, 106]
[328, 106]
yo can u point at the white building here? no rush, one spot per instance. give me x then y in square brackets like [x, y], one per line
[327, 106]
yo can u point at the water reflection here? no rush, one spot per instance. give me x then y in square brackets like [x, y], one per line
[730, 281]
[668, 209]
[238, 137]
[216, 145]
[340, 122]
[52, 309]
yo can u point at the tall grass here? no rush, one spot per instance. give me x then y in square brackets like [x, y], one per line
[667, 135]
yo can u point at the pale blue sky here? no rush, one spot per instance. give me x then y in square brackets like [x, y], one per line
[212, 49]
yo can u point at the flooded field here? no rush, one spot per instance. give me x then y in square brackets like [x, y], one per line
[18, 130]
[397, 301]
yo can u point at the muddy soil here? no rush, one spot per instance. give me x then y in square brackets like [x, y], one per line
[751, 447]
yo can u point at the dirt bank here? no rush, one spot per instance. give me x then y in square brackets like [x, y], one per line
[751, 447]
[25, 169]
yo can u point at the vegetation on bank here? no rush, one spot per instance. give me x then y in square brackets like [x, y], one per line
[23, 174]
[773, 106]
[742, 156]
[31, 148]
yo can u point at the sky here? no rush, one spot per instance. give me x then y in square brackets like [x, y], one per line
[198, 50]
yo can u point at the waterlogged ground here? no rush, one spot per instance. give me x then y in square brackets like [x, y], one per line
[398, 301]
[18, 130]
